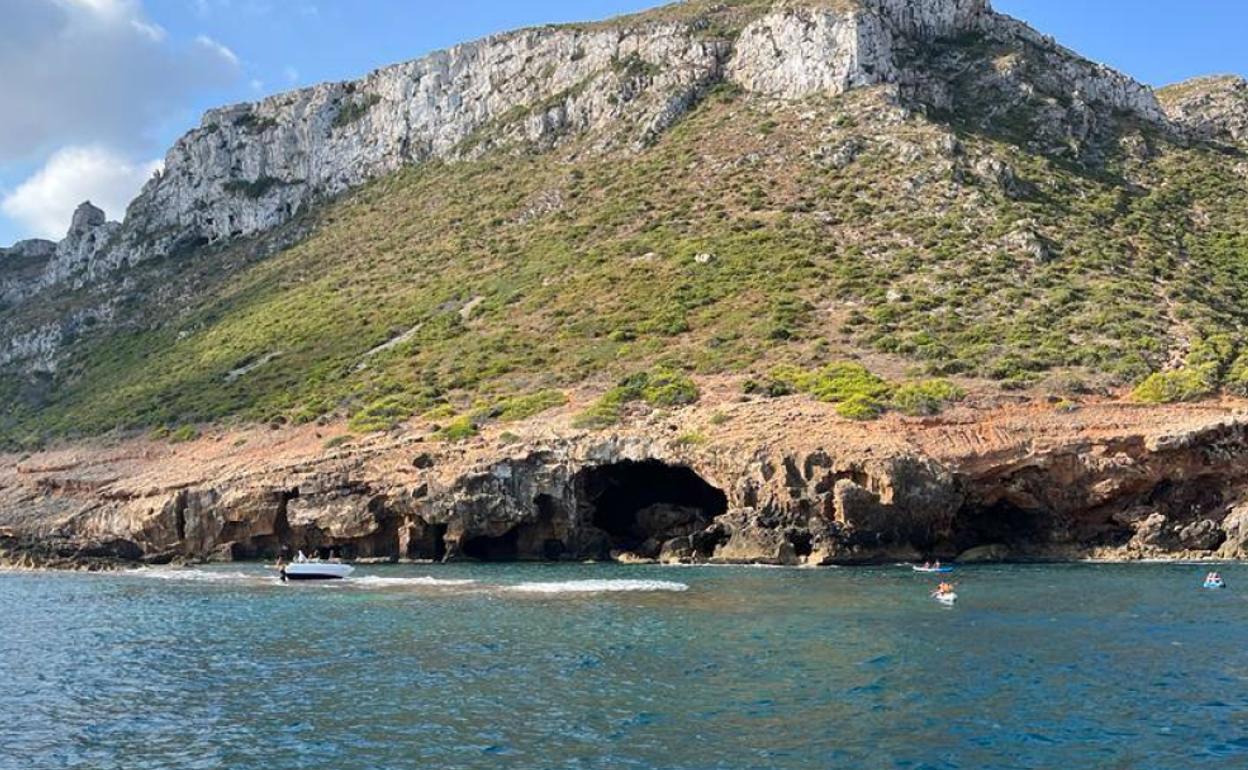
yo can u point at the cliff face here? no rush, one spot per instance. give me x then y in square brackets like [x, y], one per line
[1214, 108]
[1014, 482]
[251, 167]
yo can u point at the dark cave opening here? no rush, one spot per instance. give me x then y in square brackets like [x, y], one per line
[639, 505]
[427, 542]
[504, 547]
[1002, 522]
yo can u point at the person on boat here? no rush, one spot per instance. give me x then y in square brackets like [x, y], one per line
[927, 565]
[943, 589]
[937, 566]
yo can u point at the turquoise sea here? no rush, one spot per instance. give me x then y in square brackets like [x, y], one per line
[562, 666]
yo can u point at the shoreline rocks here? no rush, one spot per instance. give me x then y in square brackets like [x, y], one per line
[789, 486]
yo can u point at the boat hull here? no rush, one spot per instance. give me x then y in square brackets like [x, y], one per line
[305, 571]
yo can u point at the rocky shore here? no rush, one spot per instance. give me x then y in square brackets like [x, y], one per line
[778, 481]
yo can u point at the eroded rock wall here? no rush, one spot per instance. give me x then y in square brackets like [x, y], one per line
[845, 496]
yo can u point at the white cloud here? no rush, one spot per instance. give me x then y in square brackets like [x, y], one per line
[79, 72]
[218, 49]
[44, 203]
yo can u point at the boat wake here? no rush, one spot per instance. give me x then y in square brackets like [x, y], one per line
[198, 575]
[597, 586]
[422, 581]
[398, 582]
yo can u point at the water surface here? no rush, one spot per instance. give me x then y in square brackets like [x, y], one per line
[549, 666]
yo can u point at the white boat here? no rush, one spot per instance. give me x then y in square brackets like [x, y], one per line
[935, 570]
[304, 568]
[1215, 583]
[948, 598]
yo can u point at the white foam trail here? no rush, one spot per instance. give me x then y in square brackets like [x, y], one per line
[196, 575]
[597, 586]
[374, 580]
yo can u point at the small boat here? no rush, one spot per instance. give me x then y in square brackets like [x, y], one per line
[1215, 583]
[304, 568]
[934, 570]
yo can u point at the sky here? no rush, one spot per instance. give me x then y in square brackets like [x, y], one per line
[95, 91]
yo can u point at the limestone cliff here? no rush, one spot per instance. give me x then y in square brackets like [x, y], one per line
[250, 167]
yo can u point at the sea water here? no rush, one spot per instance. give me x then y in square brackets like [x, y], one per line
[549, 666]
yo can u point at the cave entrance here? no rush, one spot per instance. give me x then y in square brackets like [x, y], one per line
[640, 505]
[1001, 522]
[426, 542]
[505, 547]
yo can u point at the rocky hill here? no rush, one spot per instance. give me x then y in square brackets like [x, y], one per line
[886, 205]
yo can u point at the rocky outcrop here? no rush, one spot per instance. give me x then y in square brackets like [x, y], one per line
[805, 51]
[1214, 108]
[1109, 482]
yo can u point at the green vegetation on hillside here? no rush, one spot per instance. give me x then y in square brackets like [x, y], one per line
[752, 235]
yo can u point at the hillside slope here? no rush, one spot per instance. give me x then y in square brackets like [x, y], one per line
[715, 188]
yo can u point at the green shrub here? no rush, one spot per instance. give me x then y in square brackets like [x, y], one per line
[184, 434]
[860, 407]
[1187, 384]
[439, 412]
[354, 110]
[835, 382]
[604, 412]
[1237, 377]
[384, 414]
[336, 441]
[519, 408]
[660, 388]
[666, 387]
[459, 429]
[693, 438]
[925, 397]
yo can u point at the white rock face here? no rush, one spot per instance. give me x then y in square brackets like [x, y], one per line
[249, 168]
[1061, 70]
[252, 167]
[928, 19]
[797, 53]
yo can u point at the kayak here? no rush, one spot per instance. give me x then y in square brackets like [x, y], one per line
[946, 599]
[936, 570]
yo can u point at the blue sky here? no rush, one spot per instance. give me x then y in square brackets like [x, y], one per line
[107, 85]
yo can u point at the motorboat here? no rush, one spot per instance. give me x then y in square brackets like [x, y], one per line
[1214, 582]
[303, 568]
